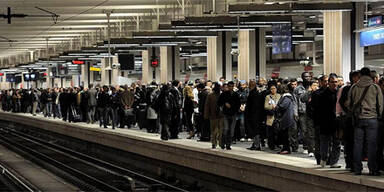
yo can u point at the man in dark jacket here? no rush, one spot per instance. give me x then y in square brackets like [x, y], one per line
[104, 105]
[177, 96]
[230, 103]
[253, 110]
[164, 106]
[203, 123]
[315, 105]
[213, 114]
[346, 121]
[327, 109]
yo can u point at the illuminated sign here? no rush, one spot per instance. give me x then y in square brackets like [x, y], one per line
[77, 62]
[373, 37]
[373, 21]
[94, 69]
[155, 62]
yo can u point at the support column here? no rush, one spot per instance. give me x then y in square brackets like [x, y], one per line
[107, 77]
[48, 78]
[147, 69]
[337, 43]
[169, 63]
[247, 58]
[261, 56]
[357, 22]
[85, 74]
[219, 58]
[214, 57]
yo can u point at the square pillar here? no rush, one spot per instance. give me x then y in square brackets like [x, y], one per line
[107, 77]
[357, 50]
[214, 57]
[169, 63]
[337, 43]
[48, 78]
[147, 69]
[85, 74]
[247, 58]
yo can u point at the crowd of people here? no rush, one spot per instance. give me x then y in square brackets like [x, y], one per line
[323, 113]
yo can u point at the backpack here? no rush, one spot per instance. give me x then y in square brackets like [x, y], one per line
[357, 108]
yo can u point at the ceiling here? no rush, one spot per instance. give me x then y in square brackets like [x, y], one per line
[87, 17]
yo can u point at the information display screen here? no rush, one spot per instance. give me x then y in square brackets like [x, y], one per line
[373, 37]
[281, 38]
[10, 78]
[374, 21]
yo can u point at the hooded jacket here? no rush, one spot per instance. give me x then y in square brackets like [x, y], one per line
[286, 108]
[372, 104]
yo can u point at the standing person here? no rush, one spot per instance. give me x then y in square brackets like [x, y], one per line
[243, 94]
[204, 124]
[328, 125]
[177, 96]
[152, 94]
[346, 119]
[126, 102]
[165, 106]
[365, 100]
[213, 113]
[299, 93]
[92, 102]
[252, 113]
[317, 116]
[230, 102]
[270, 104]
[49, 104]
[285, 112]
[188, 107]
[309, 134]
[35, 99]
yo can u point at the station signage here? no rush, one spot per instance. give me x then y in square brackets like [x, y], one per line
[373, 37]
[374, 21]
[94, 69]
[77, 62]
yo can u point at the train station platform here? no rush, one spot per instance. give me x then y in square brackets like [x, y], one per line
[261, 168]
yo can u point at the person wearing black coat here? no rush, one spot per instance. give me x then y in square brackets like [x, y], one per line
[253, 117]
[177, 96]
[327, 109]
[229, 101]
[315, 105]
[165, 105]
[204, 124]
[104, 107]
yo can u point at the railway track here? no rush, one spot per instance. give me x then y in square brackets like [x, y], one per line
[86, 172]
[10, 181]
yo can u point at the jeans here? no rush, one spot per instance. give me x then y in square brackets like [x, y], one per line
[216, 131]
[366, 129]
[108, 114]
[229, 129]
[346, 123]
[91, 114]
[48, 109]
[325, 142]
[308, 131]
[293, 137]
[34, 107]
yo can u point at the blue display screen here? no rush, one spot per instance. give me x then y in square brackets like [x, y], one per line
[374, 37]
[281, 38]
[373, 21]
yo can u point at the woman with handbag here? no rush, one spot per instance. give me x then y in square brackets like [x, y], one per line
[270, 104]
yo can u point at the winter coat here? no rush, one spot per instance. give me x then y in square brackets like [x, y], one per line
[92, 97]
[127, 98]
[372, 105]
[299, 93]
[286, 111]
[327, 110]
[211, 109]
[271, 100]
[233, 99]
